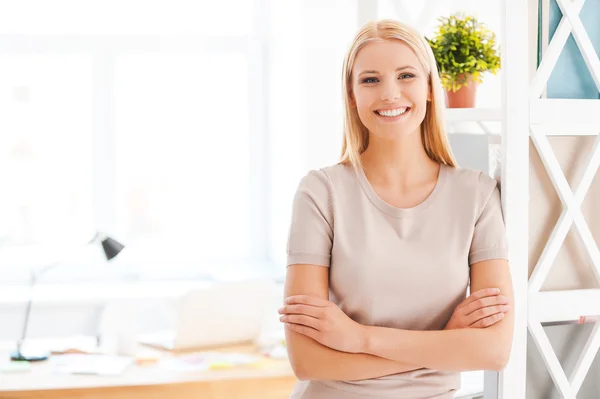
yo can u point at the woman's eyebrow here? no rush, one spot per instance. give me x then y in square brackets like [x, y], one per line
[397, 70]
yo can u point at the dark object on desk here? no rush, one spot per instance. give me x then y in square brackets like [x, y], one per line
[111, 249]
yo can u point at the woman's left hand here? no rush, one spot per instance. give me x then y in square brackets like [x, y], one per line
[324, 322]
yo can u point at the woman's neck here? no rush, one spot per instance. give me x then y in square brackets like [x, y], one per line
[402, 161]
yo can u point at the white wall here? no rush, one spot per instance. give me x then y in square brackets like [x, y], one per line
[309, 40]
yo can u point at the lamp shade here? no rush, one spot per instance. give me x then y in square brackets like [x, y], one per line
[111, 247]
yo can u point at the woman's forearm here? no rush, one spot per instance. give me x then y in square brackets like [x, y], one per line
[455, 350]
[451, 350]
[313, 361]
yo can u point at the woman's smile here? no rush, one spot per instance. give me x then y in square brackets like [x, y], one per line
[392, 115]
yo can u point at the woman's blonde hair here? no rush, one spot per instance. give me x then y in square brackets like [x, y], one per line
[433, 134]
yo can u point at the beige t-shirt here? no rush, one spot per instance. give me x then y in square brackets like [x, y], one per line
[392, 267]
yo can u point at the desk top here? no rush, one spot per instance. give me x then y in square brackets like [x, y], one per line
[42, 377]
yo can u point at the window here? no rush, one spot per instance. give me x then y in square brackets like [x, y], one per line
[141, 120]
[45, 155]
[128, 17]
[183, 132]
[181, 128]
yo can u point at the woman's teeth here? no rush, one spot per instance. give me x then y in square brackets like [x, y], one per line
[393, 112]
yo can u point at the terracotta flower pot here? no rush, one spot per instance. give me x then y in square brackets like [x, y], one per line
[463, 97]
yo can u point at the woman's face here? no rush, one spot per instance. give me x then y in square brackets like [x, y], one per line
[390, 89]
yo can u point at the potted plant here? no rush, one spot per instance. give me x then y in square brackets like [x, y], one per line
[464, 49]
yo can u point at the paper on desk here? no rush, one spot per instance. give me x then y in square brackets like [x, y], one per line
[14, 366]
[277, 352]
[75, 344]
[90, 364]
[208, 360]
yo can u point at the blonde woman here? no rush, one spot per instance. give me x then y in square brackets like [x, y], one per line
[383, 245]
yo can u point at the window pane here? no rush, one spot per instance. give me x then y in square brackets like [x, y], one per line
[45, 149]
[212, 18]
[182, 156]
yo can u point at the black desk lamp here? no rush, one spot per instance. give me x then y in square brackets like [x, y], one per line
[111, 249]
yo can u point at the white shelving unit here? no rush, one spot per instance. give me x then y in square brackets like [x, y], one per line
[570, 118]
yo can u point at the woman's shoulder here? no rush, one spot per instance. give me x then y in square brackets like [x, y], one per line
[472, 182]
[317, 187]
[326, 177]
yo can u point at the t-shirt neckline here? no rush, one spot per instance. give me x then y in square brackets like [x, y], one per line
[395, 211]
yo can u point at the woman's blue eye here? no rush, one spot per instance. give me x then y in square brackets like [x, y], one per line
[401, 77]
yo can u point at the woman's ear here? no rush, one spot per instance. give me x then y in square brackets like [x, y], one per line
[351, 99]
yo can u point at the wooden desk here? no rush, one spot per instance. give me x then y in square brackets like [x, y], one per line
[273, 379]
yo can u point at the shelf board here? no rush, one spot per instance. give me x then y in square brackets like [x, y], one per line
[565, 305]
[565, 111]
[454, 115]
[554, 117]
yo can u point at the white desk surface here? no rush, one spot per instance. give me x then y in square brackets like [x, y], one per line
[42, 377]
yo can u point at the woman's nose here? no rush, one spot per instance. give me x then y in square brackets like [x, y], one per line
[390, 92]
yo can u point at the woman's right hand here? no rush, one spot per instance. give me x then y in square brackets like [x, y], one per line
[481, 309]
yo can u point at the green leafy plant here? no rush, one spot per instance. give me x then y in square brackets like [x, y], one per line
[463, 48]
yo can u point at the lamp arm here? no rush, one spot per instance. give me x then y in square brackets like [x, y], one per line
[32, 280]
[34, 275]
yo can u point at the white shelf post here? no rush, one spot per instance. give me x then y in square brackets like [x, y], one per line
[510, 383]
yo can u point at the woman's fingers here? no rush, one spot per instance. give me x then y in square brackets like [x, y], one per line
[486, 292]
[488, 321]
[482, 308]
[307, 300]
[495, 300]
[299, 328]
[486, 312]
[301, 319]
[312, 311]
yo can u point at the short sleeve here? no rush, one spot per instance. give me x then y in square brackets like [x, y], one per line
[310, 235]
[489, 236]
